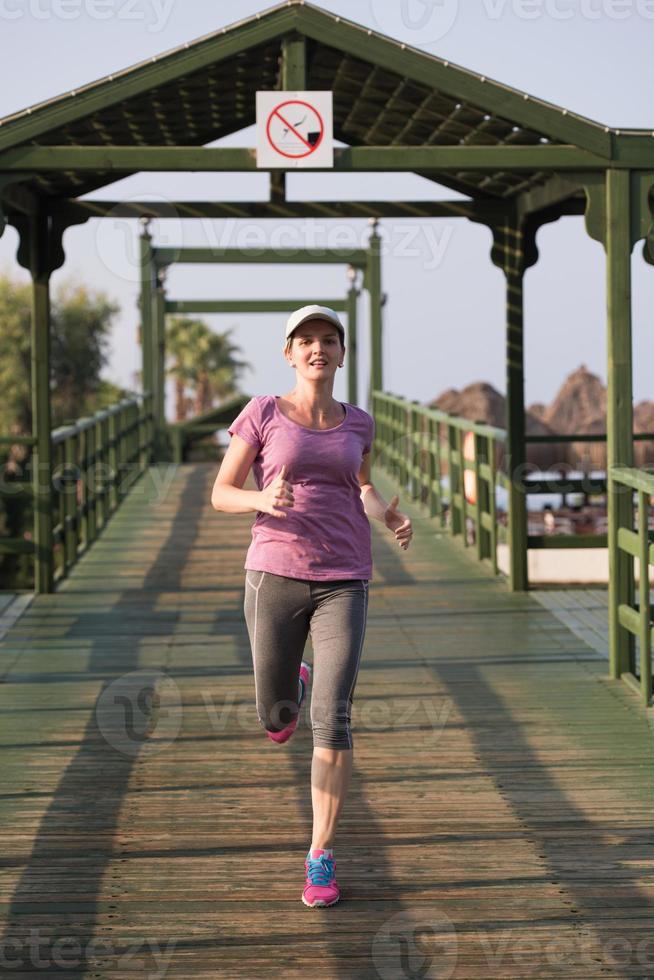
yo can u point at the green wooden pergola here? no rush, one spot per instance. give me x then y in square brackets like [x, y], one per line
[156, 260]
[521, 162]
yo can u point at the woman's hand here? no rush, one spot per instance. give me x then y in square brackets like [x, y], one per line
[398, 522]
[277, 495]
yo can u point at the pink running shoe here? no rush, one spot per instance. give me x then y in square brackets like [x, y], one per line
[303, 684]
[321, 888]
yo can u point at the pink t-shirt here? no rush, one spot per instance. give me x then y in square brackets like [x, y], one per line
[326, 535]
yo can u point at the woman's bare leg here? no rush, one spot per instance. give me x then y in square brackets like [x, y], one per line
[330, 777]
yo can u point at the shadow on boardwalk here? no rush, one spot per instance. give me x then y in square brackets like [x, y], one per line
[499, 818]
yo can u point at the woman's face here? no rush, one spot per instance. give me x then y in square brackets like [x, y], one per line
[316, 349]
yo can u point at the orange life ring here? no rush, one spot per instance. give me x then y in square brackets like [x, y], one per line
[469, 476]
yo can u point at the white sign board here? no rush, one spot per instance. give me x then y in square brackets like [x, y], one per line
[294, 130]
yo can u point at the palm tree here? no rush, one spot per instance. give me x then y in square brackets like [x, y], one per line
[203, 360]
[179, 333]
[218, 370]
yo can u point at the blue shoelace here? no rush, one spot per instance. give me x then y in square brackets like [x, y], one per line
[320, 870]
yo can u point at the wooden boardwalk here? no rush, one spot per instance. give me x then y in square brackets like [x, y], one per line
[500, 817]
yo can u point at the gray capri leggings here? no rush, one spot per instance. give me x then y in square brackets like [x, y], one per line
[280, 612]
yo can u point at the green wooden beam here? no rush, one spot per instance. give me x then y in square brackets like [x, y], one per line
[298, 256]
[619, 416]
[476, 210]
[634, 149]
[14, 197]
[351, 159]
[248, 305]
[565, 191]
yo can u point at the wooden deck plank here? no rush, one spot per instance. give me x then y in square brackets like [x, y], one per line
[501, 800]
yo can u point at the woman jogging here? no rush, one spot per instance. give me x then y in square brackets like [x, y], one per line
[310, 561]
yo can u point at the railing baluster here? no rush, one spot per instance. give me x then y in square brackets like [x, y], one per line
[645, 632]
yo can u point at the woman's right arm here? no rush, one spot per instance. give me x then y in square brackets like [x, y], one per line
[227, 494]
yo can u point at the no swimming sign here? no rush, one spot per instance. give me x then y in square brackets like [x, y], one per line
[294, 130]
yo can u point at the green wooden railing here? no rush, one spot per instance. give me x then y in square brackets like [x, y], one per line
[418, 445]
[95, 461]
[625, 615]
[413, 443]
[183, 434]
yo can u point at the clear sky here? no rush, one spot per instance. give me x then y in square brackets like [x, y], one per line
[444, 318]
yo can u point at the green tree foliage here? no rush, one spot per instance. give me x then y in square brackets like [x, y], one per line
[81, 322]
[15, 357]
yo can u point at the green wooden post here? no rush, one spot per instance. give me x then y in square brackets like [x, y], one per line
[84, 509]
[479, 486]
[293, 63]
[292, 78]
[436, 506]
[178, 445]
[147, 289]
[69, 507]
[644, 616]
[102, 514]
[92, 498]
[352, 294]
[462, 487]
[114, 498]
[159, 367]
[515, 430]
[451, 476]
[492, 504]
[120, 455]
[39, 248]
[373, 284]
[514, 250]
[619, 416]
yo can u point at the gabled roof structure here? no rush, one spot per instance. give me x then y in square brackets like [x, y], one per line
[386, 94]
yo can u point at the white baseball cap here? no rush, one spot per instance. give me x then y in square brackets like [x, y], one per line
[314, 312]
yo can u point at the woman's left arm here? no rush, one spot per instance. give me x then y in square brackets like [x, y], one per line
[376, 507]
